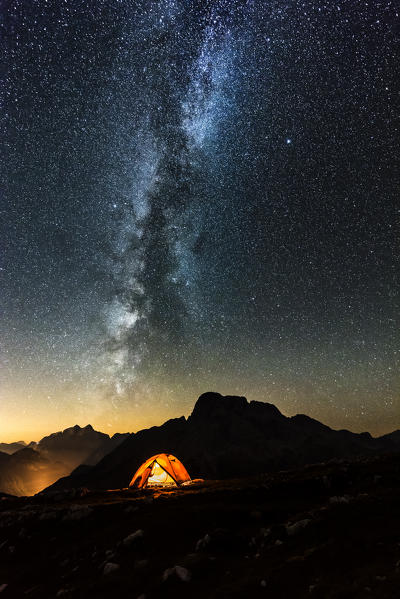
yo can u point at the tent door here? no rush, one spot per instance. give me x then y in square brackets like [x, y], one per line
[158, 476]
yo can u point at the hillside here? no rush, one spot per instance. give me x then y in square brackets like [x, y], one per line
[329, 531]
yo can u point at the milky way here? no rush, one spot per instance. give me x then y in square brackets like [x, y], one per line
[199, 195]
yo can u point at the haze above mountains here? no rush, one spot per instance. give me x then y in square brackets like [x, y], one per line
[224, 437]
[27, 469]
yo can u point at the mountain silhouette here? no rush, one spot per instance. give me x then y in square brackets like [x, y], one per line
[11, 448]
[229, 437]
[32, 468]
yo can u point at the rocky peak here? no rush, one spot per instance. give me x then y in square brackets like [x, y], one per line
[265, 410]
[78, 430]
[211, 403]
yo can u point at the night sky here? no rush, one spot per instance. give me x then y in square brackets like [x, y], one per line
[199, 196]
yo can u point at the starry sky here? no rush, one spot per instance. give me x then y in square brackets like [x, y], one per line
[198, 195]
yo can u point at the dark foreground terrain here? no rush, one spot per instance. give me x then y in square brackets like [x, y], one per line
[324, 531]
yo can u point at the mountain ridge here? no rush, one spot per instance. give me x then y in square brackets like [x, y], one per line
[33, 467]
[226, 437]
[223, 437]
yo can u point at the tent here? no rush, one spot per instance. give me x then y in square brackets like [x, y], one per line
[162, 469]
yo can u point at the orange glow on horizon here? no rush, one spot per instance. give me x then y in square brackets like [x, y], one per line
[31, 417]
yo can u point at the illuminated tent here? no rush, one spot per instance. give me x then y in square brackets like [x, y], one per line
[162, 469]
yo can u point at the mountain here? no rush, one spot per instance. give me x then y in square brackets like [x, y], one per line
[73, 446]
[393, 437]
[12, 447]
[107, 446]
[27, 471]
[34, 467]
[228, 437]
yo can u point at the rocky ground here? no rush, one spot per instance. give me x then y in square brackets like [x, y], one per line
[325, 531]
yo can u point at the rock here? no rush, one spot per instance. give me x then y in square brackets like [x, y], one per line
[203, 542]
[27, 514]
[183, 573]
[168, 573]
[337, 499]
[133, 538]
[293, 529]
[131, 508]
[222, 540]
[326, 481]
[178, 571]
[48, 515]
[312, 587]
[110, 568]
[110, 554]
[140, 564]
[64, 495]
[265, 532]
[256, 515]
[78, 512]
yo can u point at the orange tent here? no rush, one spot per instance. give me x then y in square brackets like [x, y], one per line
[162, 469]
